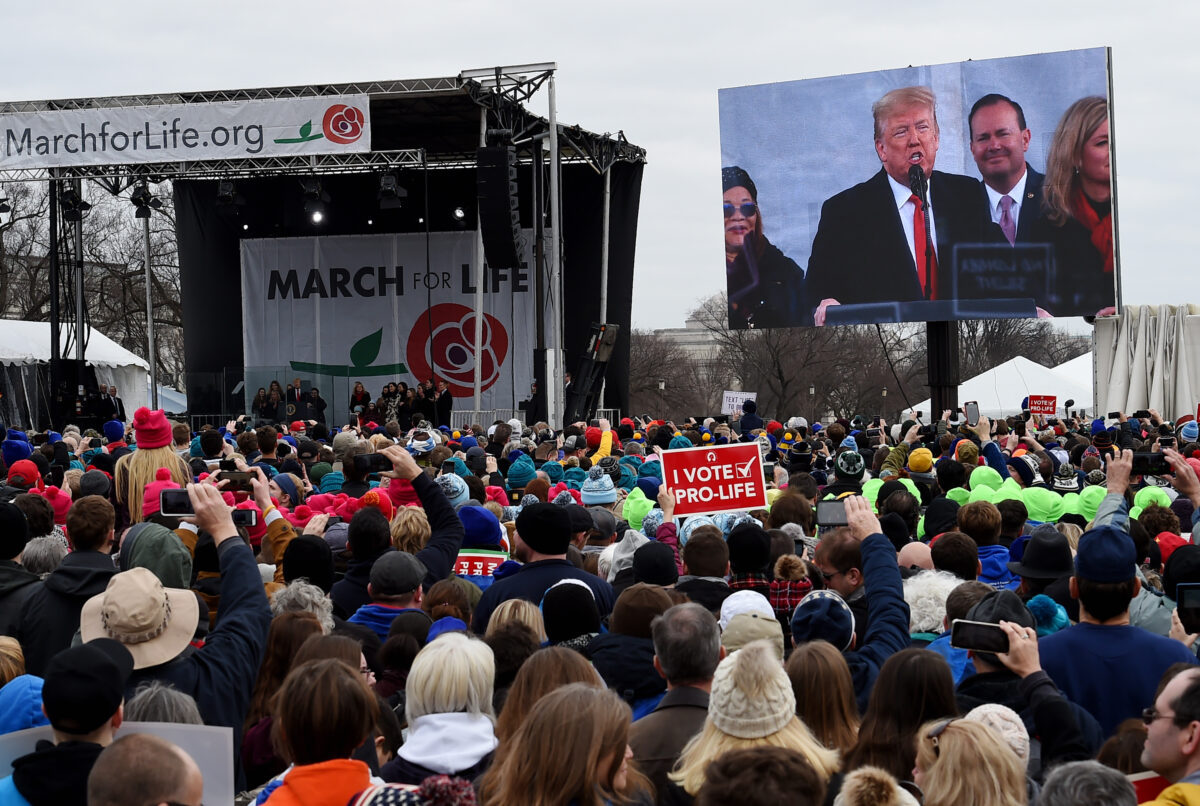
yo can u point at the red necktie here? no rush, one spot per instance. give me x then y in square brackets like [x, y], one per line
[928, 286]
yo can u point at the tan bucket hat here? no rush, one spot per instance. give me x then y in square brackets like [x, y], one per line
[154, 623]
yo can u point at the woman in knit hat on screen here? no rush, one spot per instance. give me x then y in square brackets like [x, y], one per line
[751, 705]
[134, 471]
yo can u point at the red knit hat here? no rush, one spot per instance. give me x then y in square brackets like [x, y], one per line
[162, 481]
[151, 428]
[593, 435]
[255, 533]
[300, 516]
[61, 501]
[1167, 543]
[375, 498]
[24, 473]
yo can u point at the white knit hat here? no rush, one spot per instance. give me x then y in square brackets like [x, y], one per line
[751, 695]
[740, 602]
[1006, 723]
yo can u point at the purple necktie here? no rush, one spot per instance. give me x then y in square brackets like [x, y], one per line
[1007, 224]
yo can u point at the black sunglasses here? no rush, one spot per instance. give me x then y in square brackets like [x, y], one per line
[747, 209]
[1149, 715]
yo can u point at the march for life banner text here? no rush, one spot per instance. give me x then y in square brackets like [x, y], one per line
[185, 132]
[336, 310]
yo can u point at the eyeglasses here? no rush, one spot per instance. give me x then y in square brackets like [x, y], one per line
[936, 731]
[1150, 715]
[747, 209]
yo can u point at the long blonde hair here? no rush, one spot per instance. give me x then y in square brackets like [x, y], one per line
[135, 470]
[970, 764]
[1078, 123]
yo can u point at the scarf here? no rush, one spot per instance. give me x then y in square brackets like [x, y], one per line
[1100, 228]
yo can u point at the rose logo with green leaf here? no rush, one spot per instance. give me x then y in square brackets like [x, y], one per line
[342, 124]
[364, 351]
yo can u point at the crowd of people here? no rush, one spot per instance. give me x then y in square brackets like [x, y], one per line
[430, 401]
[501, 614]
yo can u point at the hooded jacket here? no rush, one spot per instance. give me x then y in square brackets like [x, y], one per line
[994, 568]
[50, 615]
[15, 586]
[378, 617]
[627, 665]
[54, 775]
[457, 744]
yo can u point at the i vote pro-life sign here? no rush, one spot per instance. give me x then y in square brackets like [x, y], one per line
[721, 478]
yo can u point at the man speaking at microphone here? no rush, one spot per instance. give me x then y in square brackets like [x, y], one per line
[879, 241]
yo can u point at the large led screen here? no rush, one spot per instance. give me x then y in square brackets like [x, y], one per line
[981, 189]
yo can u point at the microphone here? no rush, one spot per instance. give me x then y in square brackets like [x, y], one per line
[916, 183]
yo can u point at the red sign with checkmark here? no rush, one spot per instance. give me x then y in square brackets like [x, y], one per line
[721, 478]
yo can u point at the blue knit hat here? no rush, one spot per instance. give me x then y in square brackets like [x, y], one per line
[690, 525]
[454, 488]
[680, 442]
[823, 616]
[553, 471]
[649, 486]
[628, 478]
[521, 472]
[480, 526]
[332, 481]
[114, 430]
[651, 470]
[598, 489]
[467, 443]
[15, 450]
[1190, 431]
[651, 521]
[575, 477]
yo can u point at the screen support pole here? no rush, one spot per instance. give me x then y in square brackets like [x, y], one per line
[942, 355]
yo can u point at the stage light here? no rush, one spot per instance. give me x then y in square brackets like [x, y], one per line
[245, 227]
[144, 201]
[228, 199]
[317, 216]
[460, 214]
[391, 195]
[370, 223]
[73, 205]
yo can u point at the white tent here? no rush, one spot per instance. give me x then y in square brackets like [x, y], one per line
[1080, 371]
[25, 345]
[999, 391]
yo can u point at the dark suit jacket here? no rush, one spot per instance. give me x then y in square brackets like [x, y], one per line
[1029, 213]
[120, 408]
[658, 738]
[860, 253]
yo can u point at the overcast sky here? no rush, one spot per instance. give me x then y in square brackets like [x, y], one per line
[653, 70]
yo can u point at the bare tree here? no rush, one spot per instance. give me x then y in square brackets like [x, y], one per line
[665, 381]
[114, 272]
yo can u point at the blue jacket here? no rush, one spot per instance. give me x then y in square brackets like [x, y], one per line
[378, 617]
[994, 568]
[220, 676]
[887, 632]
[961, 665]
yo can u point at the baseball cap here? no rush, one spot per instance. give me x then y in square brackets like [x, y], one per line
[396, 573]
[1106, 554]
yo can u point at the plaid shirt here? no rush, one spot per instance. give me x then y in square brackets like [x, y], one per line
[786, 594]
[750, 582]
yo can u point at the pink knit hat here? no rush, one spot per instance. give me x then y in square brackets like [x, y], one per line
[162, 481]
[60, 499]
[151, 428]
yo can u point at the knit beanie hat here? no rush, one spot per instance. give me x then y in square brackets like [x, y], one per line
[332, 481]
[162, 481]
[749, 549]
[259, 529]
[680, 442]
[690, 525]
[743, 601]
[381, 501]
[823, 616]
[553, 471]
[1006, 723]
[649, 487]
[1044, 505]
[1026, 467]
[849, 465]
[521, 472]
[480, 527]
[751, 695]
[654, 563]
[309, 557]
[636, 607]
[966, 452]
[1089, 500]
[636, 506]
[650, 521]
[14, 450]
[114, 431]
[1190, 431]
[94, 482]
[569, 611]
[454, 487]
[734, 177]
[920, 461]
[599, 488]
[545, 528]
[60, 499]
[151, 428]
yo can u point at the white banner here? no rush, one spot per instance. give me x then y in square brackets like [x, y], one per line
[731, 402]
[186, 132]
[336, 310]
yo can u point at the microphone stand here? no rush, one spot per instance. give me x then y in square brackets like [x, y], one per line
[917, 183]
